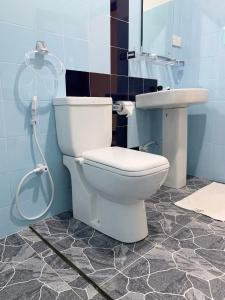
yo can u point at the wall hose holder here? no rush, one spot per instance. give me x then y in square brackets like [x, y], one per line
[36, 58]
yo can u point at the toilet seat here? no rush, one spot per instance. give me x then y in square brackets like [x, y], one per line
[126, 162]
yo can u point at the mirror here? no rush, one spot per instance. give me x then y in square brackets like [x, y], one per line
[157, 26]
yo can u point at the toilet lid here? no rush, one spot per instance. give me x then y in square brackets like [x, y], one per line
[126, 160]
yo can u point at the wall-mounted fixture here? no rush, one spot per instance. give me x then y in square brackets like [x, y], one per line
[155, 59]
[124, 108]
[36, 59]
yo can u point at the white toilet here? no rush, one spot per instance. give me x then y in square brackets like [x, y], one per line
[109, 184]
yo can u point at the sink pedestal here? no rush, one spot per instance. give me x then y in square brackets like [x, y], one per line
[174, 145]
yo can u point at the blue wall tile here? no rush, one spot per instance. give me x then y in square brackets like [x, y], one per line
[49, 16]
[218, 162]
[18, 82]
[200, 159]
[218, 137]
[3, 155]
[99, 8]
[50, 147]
[5, 189]
[2, 121]
[20, 153]
[67, 28]
[77, 54]
[99, 53]
[21, 40]
[206, 122]
[17, 119]
[46, 118]
[10, 220]
[9, 12]
[75, 21]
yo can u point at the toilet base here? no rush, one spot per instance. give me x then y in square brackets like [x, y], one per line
[124, 222]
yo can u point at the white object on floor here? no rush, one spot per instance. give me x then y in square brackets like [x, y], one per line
[109, 184]
[209, 201]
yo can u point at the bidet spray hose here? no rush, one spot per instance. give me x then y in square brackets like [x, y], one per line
[39, 170]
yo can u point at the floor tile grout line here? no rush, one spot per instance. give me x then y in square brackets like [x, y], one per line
[32, 279]
[45, 263]
[73, 266]
[142, 256]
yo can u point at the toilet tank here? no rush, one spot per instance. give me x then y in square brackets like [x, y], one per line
[83, 123]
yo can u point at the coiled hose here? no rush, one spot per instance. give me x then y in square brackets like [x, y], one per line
[39, 170]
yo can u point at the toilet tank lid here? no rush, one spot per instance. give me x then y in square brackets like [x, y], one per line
[125, 159]
[82, 101]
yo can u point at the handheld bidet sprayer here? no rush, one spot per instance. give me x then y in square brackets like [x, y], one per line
[34, 110]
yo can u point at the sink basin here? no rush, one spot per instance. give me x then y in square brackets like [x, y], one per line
[172, 98]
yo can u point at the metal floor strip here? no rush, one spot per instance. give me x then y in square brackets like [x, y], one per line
[72, 265]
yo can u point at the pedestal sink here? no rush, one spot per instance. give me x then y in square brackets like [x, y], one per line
[174, 104]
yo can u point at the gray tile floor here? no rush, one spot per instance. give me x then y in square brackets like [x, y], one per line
[182, 258]
[30, 270]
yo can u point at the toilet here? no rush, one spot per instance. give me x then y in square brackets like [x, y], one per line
[109, 184]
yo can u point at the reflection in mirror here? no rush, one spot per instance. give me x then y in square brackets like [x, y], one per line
[166, 32]
[157, 26]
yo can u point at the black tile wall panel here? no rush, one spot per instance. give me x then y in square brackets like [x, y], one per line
[120, 9]
[121, 121]
[121, 136]
[119, 87]
[99, 85]
[119, 63]
[150, 85]
[119, 33]
[77, 83]
[136, 86]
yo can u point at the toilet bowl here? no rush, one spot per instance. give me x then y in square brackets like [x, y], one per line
[109, 184]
